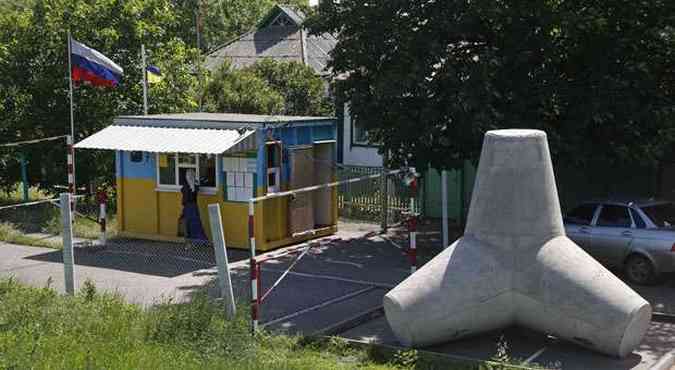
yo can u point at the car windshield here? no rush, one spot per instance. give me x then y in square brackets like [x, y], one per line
[663, 215]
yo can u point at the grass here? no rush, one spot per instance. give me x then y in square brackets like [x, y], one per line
[10, 233]
[40, 329]
[21, 225]
[15, 195]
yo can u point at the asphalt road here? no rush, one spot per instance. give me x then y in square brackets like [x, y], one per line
[343, 277]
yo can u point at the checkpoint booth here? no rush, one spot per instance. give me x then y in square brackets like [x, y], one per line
[236, 157]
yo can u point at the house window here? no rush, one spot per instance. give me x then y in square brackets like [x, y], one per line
[282, 20]
[172, 167]
[359, 133]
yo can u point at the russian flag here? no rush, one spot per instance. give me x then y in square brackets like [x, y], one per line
[91, 66]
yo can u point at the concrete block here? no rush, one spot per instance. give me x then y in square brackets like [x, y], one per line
[515, 265]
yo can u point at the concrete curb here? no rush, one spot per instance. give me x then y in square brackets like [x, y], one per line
[663, 317]
[451, 358]
[350, 323]
[666, 362]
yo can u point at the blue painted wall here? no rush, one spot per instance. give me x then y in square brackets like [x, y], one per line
[145, 169]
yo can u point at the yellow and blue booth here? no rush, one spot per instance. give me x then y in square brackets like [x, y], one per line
[235, 157]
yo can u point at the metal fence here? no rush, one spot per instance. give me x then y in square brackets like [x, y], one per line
[145, 272]
[363, 200]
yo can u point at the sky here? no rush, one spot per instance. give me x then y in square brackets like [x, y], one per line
[313, 2]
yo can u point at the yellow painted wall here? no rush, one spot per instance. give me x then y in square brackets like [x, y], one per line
[275, 218]
[168, 212]
[139, 205]
[146, 212]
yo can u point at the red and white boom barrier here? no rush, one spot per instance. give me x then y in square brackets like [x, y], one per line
[257, 294]
[256, 299]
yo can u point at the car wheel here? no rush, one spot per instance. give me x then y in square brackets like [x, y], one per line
[639, 270]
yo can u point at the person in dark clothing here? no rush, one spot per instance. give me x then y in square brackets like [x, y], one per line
[190, 215]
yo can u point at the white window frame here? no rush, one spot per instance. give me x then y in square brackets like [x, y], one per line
[210, 190]
[276, 171]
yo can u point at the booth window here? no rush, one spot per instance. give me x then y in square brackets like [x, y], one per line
[136, 156]
[171, 169]
[239, 178]
[207, 170]
[273, 167]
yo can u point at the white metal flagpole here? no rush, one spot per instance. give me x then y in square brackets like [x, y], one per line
[72, 119]
[145, 81]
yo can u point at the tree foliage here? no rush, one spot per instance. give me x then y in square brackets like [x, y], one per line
[241, 91]
[34, 77]
[268, 87]
[304, 92]
[428, 78]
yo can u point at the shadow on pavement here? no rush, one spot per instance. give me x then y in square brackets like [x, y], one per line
[145, 257]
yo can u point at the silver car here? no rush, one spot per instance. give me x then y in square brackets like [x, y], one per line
[636, 236]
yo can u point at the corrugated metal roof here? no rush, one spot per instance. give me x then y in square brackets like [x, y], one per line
[217, 120]
[168, 140]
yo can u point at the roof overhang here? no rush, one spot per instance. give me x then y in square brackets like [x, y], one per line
[171, 139]
[220, 120]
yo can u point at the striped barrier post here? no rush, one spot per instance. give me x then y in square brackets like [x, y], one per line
[254, 295]
[102, 199]
[251, 226]
[412, 229]
[412, 223]
[71, 174]
[71, 170]
[255, 269]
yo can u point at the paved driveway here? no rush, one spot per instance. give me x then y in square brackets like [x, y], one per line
[344, 277]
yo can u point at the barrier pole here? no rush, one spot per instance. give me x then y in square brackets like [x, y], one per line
[251, 226]
[71, 168]
[255, 301]
[444, 204]
[412, 229]
[384, 201]
[254, 296]
[102, 216]
[68, 257]
[224, 279]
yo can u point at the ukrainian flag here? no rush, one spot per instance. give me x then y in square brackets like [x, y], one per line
[154, 74]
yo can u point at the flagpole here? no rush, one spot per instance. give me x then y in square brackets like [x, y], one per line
[145, 81]
[72, 115]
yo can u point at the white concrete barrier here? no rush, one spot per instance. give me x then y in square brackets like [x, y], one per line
[515, 265]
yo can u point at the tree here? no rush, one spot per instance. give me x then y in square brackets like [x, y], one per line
[428, 78]
[304, 92]
[241, 91]
[268, 87]
[34, 82]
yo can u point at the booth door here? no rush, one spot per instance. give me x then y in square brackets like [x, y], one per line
[324, 172]
[300, 206]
